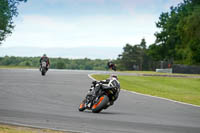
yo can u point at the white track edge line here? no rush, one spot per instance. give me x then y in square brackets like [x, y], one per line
[89, 75]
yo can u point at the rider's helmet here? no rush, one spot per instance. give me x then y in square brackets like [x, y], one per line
[110, 62]
[44, 55]
[113, 76]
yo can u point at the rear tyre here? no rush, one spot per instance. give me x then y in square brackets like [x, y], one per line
[101, 104]
[82, 106]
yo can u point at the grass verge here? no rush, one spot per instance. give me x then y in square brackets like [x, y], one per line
[18, 129]
[16, 67]
[158, 73]
[180, 89]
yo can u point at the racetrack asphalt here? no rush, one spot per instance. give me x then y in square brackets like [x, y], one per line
[51, 101]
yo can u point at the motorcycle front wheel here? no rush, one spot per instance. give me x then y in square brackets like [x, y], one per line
[43, 71]
[82, 106]
[102, 102]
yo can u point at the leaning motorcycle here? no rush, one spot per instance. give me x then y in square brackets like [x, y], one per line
[43, 68]
[101, 97]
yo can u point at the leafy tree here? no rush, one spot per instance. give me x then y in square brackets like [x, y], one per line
[8, 9]
[189, 31]
[25, 63]
[134, 57]
[178, 38]
[60, 64]
[126, 60]
[143, 44]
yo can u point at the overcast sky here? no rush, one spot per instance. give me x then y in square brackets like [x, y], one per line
[86, 23]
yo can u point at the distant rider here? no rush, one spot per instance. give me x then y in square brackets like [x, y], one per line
[111, 65]
[44, 58]
[111, 82]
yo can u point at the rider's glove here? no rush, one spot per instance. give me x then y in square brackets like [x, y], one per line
[94, 82]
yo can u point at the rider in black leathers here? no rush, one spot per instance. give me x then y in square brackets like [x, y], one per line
[111, 65]
[46, 59]
[111, 82]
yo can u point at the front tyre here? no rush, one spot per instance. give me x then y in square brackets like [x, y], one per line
[82, 106]
[102, 102]
[43, 72]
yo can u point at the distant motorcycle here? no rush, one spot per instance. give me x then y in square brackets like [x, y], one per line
[101, 97]
[112, 66]
[43, 68]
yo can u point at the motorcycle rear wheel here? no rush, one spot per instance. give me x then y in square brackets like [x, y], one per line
[102, 102]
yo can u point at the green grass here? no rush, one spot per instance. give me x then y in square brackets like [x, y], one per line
[18, 129]
[180, 89]
[158, 73]
[16, 67]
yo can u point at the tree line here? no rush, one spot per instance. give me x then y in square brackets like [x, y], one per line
[179, 37]
[178, 41]
[56, 63]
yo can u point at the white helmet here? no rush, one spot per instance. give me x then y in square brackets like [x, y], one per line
[113, 76]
